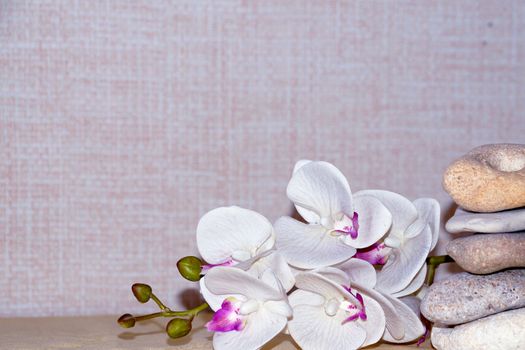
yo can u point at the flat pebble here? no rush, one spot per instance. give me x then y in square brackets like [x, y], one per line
[502, 221]
[488, 253]
[503, 331]
[465, 297]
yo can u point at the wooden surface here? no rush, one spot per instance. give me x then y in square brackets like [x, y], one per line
[102, 332]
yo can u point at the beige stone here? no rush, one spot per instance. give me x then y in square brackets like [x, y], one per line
[465, 297]
[503, 331]
[488, 253]
[489, 178]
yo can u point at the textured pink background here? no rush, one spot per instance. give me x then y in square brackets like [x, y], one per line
[121, 123]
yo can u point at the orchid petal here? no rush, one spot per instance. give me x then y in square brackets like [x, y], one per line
[228, 280]
[299, 164]
[374, 221]
[404, 263]
[359, 271]
[376, 254]
[414, 328]
[308, 215]
[249, 263]
[309, 246]
[429, 210]
[215, 300]
[394, 323]
[226, 319]
[403, 211]
[313, 329]
[270, 279]
[334, 274]
[317, 283]
[223, 231]
[260, 327]
[415, 284]
[375, 322]
[413, 302]
[316, 187]
[279, 307]
[276, 262]
[304, 297]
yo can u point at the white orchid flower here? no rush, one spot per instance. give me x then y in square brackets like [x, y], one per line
[234, 236]
[329, 313]
[249, 311]
[337, 224]
[402, 322]
[413, 234]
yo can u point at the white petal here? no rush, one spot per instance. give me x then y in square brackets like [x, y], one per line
[228, 280]
[225, 230]
[415, 284]
[296, 270]
[413, 302]
[309, 246]
[248, 264]
[316, 187]
[394, 323]
[359, 271]
[300, 164]
[429, 210]
[316, 283]
[276, 262]
[313, 329]
[269, 277]
[303, 297]
[215, 300]
[404, 263]
[374, 221]
[279, 307]
[414, 328]
[403, 211]
[261, 327]
[375, 321]
[334, 274]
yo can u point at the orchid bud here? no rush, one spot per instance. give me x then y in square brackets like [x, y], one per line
[141, 291]
[190, 267]
[126, 321]
[178, 327]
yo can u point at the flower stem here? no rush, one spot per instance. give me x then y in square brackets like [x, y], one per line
[191, 312]
[168, 313]
[433, 262]
[159, 303]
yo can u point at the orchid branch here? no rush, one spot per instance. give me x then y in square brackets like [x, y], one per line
[433, 262]
[176, 328]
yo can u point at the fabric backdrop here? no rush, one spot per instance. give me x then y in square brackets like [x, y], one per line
[123, 122]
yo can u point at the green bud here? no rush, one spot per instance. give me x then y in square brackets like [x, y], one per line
[178, 327]
[126, 321]
[141, 291]
[190, 268]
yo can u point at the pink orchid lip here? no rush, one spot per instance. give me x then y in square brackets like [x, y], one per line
[360, 313]
[353, 230]
[376, 254]
[207, 267]
[423, 338]
[227, 318]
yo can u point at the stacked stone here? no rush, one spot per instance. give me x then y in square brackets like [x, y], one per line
[486, 304]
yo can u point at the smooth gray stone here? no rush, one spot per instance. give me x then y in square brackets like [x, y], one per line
[503, 221]
[488, 253]
[465, 297]
[503, 331]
